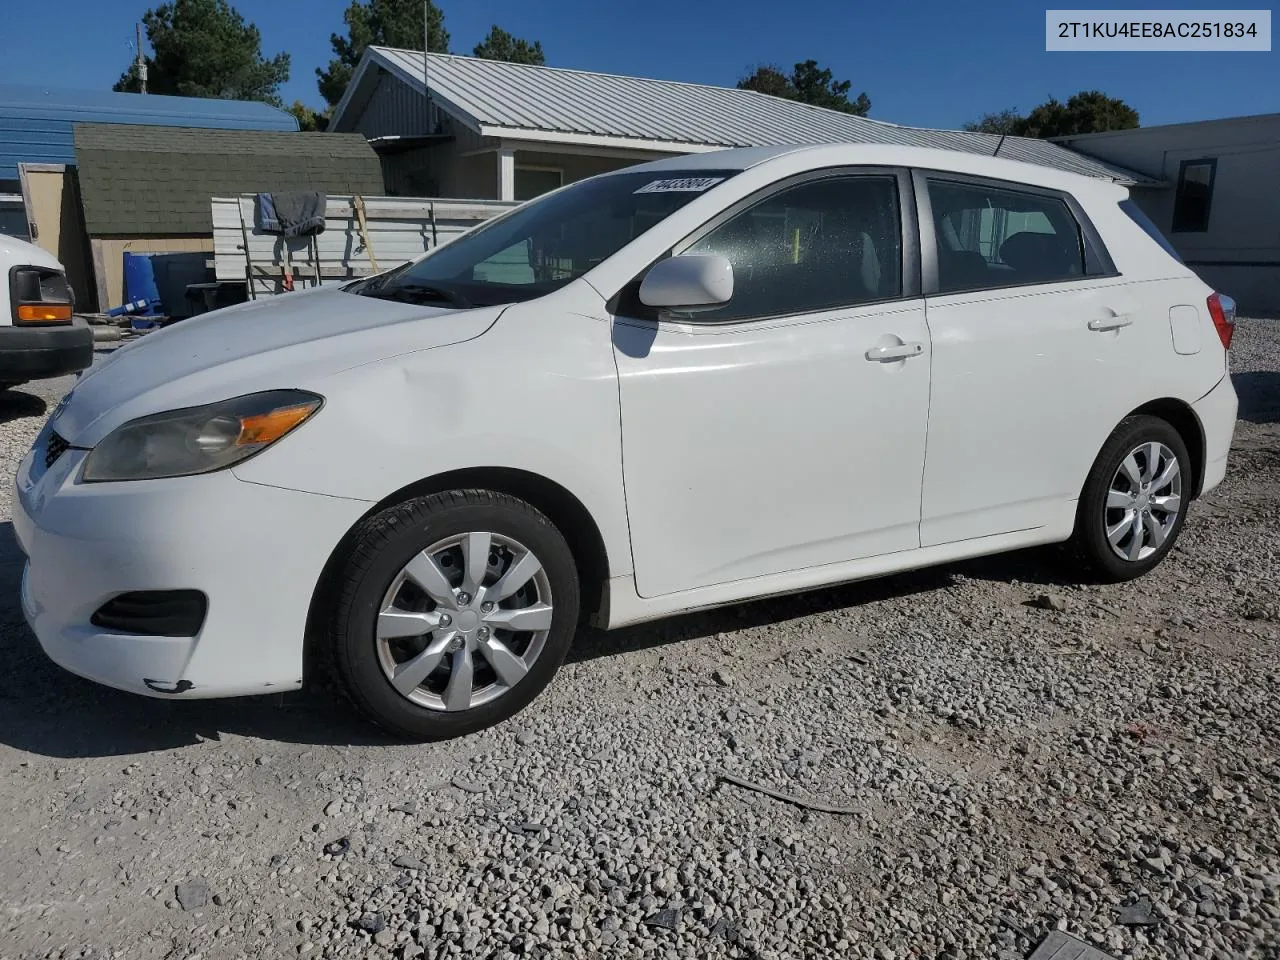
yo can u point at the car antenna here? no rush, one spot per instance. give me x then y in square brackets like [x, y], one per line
[999, 144]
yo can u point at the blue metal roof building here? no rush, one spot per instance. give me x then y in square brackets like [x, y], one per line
[37, 123]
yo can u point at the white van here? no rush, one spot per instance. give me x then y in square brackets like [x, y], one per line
[39, 335]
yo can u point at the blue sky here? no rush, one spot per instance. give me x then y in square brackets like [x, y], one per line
[927, 62]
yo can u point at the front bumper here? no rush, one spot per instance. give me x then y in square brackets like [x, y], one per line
[255, 551]
[34, 353]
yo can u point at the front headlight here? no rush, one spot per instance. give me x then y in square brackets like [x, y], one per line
[179, 443]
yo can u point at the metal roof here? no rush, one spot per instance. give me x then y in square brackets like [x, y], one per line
[501, 99]
[36, 123]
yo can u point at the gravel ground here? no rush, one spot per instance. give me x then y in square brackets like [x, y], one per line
[1011, 752]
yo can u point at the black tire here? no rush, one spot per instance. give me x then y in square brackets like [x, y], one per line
[1089, 543]
[381, 547]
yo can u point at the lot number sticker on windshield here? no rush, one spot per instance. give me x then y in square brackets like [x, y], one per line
[684, 185]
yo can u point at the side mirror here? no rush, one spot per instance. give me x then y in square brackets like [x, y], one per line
[688, 283]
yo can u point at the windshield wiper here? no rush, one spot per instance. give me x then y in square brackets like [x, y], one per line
[421, 293]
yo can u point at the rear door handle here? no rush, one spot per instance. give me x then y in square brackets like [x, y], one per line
[902, 351]
[1111, 323]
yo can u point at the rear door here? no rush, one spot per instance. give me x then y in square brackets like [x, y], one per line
[785, 429]
[1039, 349]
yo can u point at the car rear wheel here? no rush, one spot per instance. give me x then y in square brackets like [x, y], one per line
[455, 611]
[1135, 500]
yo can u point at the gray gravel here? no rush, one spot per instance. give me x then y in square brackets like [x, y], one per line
[1016, 753]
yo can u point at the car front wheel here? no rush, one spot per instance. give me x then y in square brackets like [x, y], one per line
[1135, 500]
[454, 611]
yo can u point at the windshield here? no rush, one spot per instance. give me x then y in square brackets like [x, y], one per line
[544, 244]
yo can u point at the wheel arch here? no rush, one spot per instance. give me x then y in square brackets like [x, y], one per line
[1179, 415]
[560, 505]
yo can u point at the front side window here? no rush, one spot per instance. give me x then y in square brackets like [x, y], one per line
[993, 237]
[818, 245]
[544, 244]
[1195, 191]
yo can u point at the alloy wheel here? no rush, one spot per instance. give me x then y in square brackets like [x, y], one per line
[464, 621]
[1143, 501]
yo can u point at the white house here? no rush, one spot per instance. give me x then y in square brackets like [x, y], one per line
[505, 131]
[1216, 197]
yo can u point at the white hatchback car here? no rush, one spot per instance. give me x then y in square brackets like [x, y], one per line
[675, 386]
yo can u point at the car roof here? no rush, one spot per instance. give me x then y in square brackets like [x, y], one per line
[813, 156]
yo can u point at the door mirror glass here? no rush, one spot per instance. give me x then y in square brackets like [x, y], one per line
[688, 283]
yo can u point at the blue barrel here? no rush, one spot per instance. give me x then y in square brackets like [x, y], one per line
[140, 284]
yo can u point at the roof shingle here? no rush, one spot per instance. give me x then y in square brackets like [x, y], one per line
[159, 181]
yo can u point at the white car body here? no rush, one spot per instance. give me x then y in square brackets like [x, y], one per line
[703, 463]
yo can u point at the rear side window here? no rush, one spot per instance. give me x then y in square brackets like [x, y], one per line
[819, 245]
[990, 236]
[1135, 214]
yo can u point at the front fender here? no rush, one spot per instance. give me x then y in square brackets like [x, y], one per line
[537, 393]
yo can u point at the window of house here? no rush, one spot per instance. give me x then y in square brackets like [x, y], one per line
[535, 181]
[994, 237]
[818, 245]
[1195, 191]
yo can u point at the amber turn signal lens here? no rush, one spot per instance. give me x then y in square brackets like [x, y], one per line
[270, 427]
[44, 312]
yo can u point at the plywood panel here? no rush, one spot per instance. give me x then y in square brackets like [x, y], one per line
[42, 190]
[53, 206]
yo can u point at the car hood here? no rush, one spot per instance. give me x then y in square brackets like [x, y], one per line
[292, 340]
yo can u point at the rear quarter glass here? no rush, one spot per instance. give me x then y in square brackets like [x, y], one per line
[1134, 213]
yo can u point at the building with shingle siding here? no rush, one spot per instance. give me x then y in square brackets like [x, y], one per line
[148, 189]
[137, 181]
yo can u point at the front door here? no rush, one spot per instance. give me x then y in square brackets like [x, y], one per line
[785, 429]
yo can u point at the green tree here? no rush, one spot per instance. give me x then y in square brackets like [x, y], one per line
[379, 23]
[807, 83]
[769, 79]
[309, 120]
[1089, 111]
[204, 48]
[1004, 122]
[500, 45]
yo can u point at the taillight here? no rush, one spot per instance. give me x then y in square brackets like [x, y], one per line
[1223, 310]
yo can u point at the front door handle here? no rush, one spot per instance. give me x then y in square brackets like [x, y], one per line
[901, 351]
[1111, 323]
